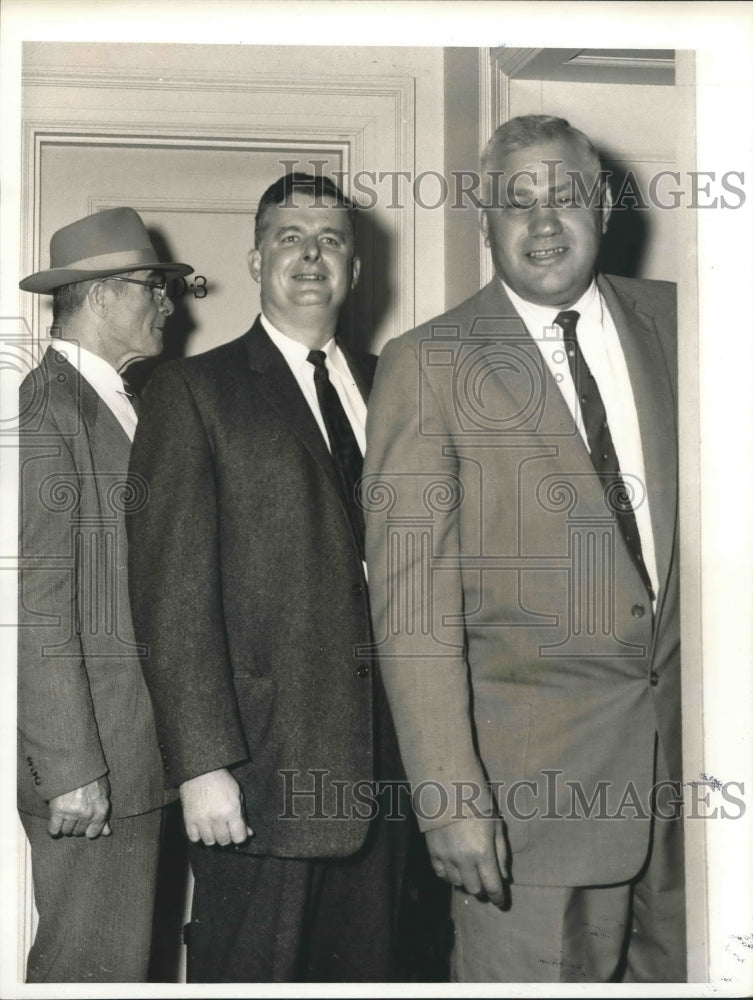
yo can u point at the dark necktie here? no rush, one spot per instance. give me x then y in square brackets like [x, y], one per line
[603, 455]
[131, 395]
[346, 454]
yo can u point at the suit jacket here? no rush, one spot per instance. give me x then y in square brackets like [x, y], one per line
[249, 592]
[516, 639]
[83, 708]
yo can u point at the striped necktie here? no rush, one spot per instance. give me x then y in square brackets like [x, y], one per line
[603, 454]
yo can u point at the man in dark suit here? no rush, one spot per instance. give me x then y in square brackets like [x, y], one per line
[90, 782]
[250, 594]
[521, 491]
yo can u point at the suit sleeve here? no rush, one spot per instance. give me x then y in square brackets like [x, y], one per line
[58, 738]
[175, 584]
[412, 479]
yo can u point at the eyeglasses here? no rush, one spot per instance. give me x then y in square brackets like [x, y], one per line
[160, 286]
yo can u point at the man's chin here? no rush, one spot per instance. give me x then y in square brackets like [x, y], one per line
[315, 299]
[312, 293]
[553, 293]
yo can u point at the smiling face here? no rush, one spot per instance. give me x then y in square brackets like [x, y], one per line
[305, 265]
[544, 239]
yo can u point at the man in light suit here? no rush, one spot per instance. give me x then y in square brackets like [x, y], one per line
[521, 497]
[90, 783]
[250, 595]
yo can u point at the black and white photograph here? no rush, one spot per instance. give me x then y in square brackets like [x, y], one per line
[376, 475]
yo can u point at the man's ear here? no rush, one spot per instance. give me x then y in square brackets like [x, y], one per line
[97, 298]
[484, 223]
[355, 272]
[254, 265]
[606, 210]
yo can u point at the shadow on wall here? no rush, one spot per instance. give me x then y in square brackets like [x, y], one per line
[371, 300]
[623, 247]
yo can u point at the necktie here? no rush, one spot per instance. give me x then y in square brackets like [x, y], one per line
[603, 454]
[346, 454]
[131, 396]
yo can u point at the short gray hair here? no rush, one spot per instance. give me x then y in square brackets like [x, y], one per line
[68, 299]
[531, 130]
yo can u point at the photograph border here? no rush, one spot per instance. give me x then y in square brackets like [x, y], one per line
[715, 259]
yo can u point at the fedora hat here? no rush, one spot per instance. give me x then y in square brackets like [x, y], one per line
[102, 244]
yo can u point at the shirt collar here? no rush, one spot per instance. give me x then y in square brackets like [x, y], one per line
[538, 317]
[295, 353]
[94, 369]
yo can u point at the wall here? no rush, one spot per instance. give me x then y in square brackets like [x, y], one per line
[465, 78]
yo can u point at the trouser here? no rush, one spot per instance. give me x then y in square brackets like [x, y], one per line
[633, 932]
[95, 900]
[267, 919]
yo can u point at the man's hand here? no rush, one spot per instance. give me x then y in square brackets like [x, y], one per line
[471, 853]
[82, 812]
[213, 809]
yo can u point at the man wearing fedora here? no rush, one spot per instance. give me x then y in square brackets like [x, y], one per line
[90, 778]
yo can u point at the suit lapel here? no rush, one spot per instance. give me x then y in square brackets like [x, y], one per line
[656, 406]
[109, 444]
[101, 451]
[279, 386]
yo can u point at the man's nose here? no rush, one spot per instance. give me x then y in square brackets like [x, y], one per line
[311, 249]
[544, 220]
[167, 306]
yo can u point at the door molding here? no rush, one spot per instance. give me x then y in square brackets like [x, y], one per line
[369, 123]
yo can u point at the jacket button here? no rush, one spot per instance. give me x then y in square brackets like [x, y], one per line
[357, 589]
[654, 678]
[637, 611]
[363, 671]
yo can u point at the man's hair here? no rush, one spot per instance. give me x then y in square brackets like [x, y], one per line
[531, 130]
[302, 191]
[68, 299]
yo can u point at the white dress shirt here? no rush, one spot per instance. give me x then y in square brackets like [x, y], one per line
[296, 355]
[105, 381]
[601, 348]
